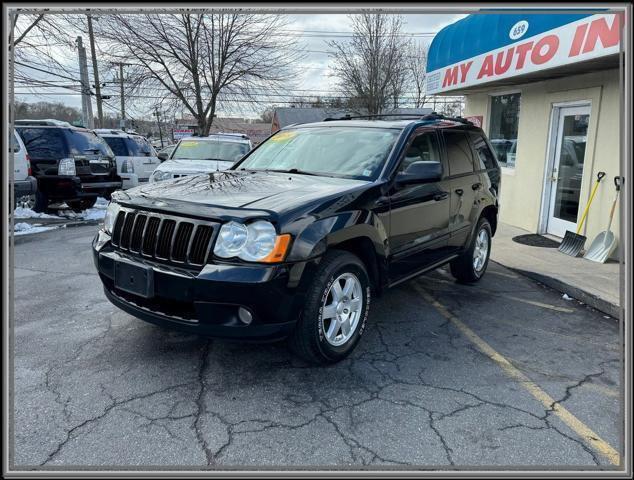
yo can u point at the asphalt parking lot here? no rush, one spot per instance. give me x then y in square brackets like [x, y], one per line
[505, 373]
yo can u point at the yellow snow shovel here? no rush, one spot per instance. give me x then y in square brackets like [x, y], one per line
[573, 242]
[605, 243]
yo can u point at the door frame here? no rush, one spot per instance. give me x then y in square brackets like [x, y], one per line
[551, 152]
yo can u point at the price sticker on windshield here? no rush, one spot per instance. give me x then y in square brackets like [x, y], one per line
[283, 136]
[189, 144]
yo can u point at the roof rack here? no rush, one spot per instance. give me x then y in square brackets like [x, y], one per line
[427, 116]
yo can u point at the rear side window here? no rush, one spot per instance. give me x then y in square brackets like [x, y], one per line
[458, 152]
[44, 143]
[86, 143]
[484, 154]
[117, 145]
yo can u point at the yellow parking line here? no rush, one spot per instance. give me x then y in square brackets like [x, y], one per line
[581, 429]
[542, 305]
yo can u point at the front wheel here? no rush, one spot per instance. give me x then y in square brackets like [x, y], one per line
[471, 265]
[336, 310]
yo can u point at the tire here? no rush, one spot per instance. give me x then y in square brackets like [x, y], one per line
[315, 338]
[40, 202]
[81, 205]
[465, 269]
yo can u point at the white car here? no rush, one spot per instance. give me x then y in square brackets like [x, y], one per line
[194, 155]
[24, 184]
[136, 158]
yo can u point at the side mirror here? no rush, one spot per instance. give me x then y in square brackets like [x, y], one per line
[162, 156]
[420, 172]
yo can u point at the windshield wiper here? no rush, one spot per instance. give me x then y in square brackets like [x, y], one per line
[297, 171]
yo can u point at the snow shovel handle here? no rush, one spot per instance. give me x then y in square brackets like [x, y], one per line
[617, 183]
[600, 176]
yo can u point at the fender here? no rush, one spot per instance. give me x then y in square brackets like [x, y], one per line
[316, 237]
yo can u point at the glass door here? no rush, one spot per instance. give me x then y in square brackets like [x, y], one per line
[567, 169]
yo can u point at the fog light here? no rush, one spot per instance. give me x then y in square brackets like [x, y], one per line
[245, 316]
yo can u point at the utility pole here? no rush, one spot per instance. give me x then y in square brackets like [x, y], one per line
[122, 97]
[86, 103]
[158, 121]
[95, 70]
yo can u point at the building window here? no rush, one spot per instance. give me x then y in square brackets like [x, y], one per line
[505, 116]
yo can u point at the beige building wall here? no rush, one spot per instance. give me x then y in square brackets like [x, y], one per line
[523, 187]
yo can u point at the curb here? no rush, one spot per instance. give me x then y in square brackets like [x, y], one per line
[18, 239]
[588, 298]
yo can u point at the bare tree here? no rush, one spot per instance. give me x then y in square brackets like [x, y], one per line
[201, 60]
[417, 72]
[370, 67]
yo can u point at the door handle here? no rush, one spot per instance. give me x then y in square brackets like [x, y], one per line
[459, 191]
[440, 196]
[476, 186]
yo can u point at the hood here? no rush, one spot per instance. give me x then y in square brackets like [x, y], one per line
[232, 189]
[190, 167]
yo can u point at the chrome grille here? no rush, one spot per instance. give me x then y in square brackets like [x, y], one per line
[165, 238]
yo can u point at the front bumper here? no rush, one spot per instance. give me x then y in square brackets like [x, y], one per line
[207, 302]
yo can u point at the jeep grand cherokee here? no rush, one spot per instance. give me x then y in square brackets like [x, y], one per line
[293, 239]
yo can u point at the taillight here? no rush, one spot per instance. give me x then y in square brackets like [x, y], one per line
[28, 166]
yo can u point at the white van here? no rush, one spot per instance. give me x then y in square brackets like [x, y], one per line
[136, 158]
[24, 184]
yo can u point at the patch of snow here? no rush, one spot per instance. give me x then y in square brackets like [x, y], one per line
[24, 228]
[566, 297]
[22, 212]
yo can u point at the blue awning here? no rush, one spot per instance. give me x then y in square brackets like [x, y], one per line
[483, 32]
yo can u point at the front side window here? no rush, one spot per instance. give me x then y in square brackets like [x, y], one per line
[354, 152]
[424, 148]
[503, 126]
[458, 152]
[210, 150]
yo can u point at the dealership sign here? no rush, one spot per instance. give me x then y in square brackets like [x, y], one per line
[182, 133]
[591, 37]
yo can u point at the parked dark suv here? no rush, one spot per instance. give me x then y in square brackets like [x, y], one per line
[293, 239]
[71, 164]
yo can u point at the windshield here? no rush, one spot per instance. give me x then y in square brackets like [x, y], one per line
[335, 151]
[210, 150]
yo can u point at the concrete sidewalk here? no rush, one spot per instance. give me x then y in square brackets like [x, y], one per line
[595, 284]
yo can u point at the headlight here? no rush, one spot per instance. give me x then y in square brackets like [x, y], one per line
[255, 242]
[110, 217]
[127, 167]
[160, 175]
[66, 167]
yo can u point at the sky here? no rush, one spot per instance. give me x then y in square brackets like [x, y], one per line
[313, 77]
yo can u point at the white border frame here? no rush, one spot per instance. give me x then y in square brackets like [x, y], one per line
[505, 170]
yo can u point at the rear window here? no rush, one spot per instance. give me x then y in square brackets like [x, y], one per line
[44, 143]
[484, 153]
[83, 143]
[139, 147]
[117, 145]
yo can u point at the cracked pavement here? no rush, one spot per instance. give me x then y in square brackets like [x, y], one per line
[93, 386]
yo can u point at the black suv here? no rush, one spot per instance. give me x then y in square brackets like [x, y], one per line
[71, 164]
[294, 238]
